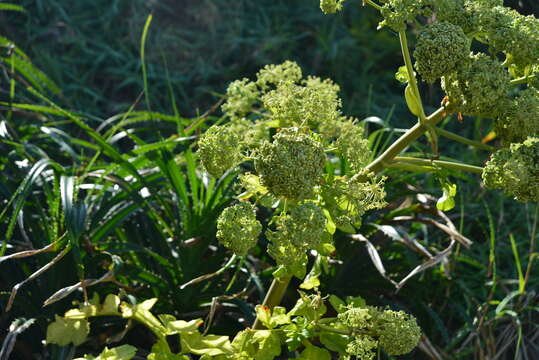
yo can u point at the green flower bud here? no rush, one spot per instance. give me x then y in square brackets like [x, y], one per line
[464, 13]
[397, 13]
[441, 48]
[287, 72]
[296, 233]
[238, 229]
[397, 331]
[352, 144]
[241, 96]
[219, 150]
[331, 6]
[479, 88]
[521, 118]
[515, 170]
[348, 199]
[356, 318]
[310, 104]
[292, 165]
[363, 347]
[252, 133]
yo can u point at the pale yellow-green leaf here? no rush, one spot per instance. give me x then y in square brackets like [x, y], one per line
[67, 331]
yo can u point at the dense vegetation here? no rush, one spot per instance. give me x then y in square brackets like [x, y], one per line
[139, 165]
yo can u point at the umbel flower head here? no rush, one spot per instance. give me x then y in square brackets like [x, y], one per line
[397, 13]
[441, 48]
[300, 230]
[520, 119]
[238, 229]
[292, 165]
[219, 149]
[395, 331]
[331, 6]
[480, 88]
[241, 96]
[515, 170]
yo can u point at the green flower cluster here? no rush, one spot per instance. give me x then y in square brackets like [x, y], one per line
[311, 103]
[300, 230]
[398, 13]
[515, 170]
[480, 88]
[219, 150]
[292, 165]
[241, 96]
[347, 199]
[520, 118]
[395, 331]
[287, 72]
[238, 229]
[352, 144]
[331, 6]
[441, 49]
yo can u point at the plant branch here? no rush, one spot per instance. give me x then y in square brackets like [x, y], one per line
[373, 4]
[411, 74]
[464, 140]
[440, 163]
[522, 80]
[406, 139]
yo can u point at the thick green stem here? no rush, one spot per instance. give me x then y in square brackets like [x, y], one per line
[373, 4]
[274, 296]
[522, 80]
[439, 163]
[464, 140]
[406, 139]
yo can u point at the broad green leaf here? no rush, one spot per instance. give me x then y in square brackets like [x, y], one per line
[272, 319]
[123, 352]
[212, 345]
[312, 352]
[338, 304]
[447, 201]
[267, 343]
[334, 342]
[141, 313]
[64, 331]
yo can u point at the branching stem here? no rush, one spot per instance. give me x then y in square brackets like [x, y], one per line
[439, 163]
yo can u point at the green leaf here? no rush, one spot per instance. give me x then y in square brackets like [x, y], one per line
[411, 100]
[11, 7]
[272, 319]
[334, 342]
[123, 352]
[268, 344]
[447, 201]
[212, 345]
[64, 331]
[338, 304]
[402, 75]
[313, 352]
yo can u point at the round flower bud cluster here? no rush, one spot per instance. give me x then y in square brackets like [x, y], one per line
[311, 103]
[397, 13]
[287, 72]
[395, 331]
[463, 13]
[441, 48]
[515, 170]
[241, 96]
[520, 119]
[352, 144]
[348, 199]
[296, 233]
[219, 150]
[292, 165]
[238, 229]
[331, 6]
[480, 88]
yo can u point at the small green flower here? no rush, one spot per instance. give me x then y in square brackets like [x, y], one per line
[352, 144]
[238, 229]
[520, 119]
[398, 13]
[287, 72]
[219, 150]
[480, 89]
[241, 96]
[296, 233]
[397, 331]
[515, 170]
[331, 6]
[363, 347]
[441, 48]
[292, 165]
